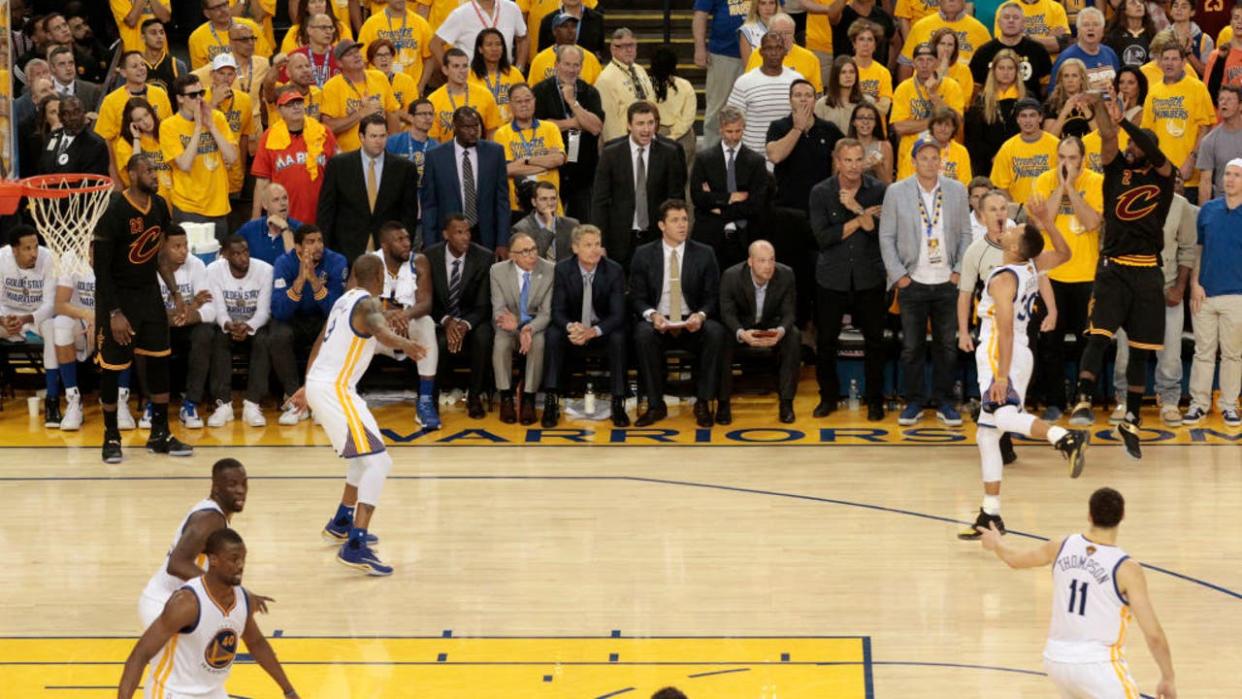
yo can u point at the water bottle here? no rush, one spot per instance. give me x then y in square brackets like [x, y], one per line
[853, 394]
[588, 401]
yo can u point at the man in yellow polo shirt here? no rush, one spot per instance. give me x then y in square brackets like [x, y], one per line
[409, 32]
[564, 31]
[1027, 155]
[1180, 111]
[796, 57]
[534, 148]
[354, 93]
[199, 148]
[1078, 194]
[920, 95]
[459, 92]
[971, 34]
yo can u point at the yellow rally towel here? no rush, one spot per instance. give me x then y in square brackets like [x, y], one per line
[313, 132]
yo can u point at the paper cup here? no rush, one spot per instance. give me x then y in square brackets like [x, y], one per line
[32, 405]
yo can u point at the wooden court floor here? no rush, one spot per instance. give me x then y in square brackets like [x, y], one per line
[737, 569]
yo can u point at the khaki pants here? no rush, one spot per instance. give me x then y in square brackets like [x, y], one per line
[1217, 324]
[722, 71]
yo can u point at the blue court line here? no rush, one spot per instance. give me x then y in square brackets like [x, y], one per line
[636, 479]
[616, 693]
[719, 672]
[867, 668]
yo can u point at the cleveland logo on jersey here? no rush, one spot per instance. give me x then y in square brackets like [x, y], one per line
[1134, 204]
[221, 650]
[146, 243]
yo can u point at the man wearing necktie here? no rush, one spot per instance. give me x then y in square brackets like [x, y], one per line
[521, 310]
[621, 83]
[588, 315]
[674, 289]
[729, 187]
[73, 147]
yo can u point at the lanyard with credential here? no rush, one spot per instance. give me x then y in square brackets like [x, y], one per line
[483, 18]
[561, 96]
[526, 145]
[449, 93]
[487, 80]
[930, 222]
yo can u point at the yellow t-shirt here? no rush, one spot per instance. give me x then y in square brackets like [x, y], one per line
[954, 161]
[543, 139]
[961, 73]
[265, 29]
[411, 35]
[914, 10]
[112, 109]
[876, 81]
[440, 9]
[290, 43]
[313, 104]
[341, 97]
[1151, 71]
[535, 11]
[818, 33]
[1225, 36]
[478, 97]
[910, 102]
[1084, 244]
[207, 42]
[544, 66]
[404, 89]
[204, 190]
[123, 150]
[1092, 144]
[800, 60]
[971, 34]
[1019, 163]
[499, 89]
[1176, 112]
[1042, 17]
[240, 115]
[131, 37]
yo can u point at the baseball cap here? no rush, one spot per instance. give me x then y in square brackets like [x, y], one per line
[344, 47]
[1027, 103]
[289, 96]
[925, 141]
[223, 60]
[924, 49]
[563, 18]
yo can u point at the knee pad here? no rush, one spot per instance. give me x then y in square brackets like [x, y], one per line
[1093, 354]
[66, 330]
[1010, 419]
[991, 464]
[371, 483]
[155, 374]
[1136, 369]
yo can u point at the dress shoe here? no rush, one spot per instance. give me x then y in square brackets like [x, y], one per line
[508, 414]
[619, 418]
[702, 413]
[786, 411]
[724, 413]
[527, 409]
[825, 408]
[875, 412]
[551, 412]
[654, 414]
[474, 407]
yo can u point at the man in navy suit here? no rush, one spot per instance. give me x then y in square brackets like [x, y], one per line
[675, 291]
[582, 324]
[467, 176]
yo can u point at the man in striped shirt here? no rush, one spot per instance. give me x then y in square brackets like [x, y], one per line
[763, 93]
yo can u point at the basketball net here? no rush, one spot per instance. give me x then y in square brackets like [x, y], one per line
[65, 209]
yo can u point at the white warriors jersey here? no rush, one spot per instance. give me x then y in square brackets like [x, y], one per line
[1089, 615]
[197, 660]
[399, 289]
[344, 355]
[82, 282]
[162, 584]
[1023, 303]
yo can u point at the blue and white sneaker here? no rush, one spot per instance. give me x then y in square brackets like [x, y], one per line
[912, 413]
[1232, 417]
[189, 415]
[364, 559]
[334, 534]
[144, 422]
[949, 415]
[1194, 416]
[426, 413]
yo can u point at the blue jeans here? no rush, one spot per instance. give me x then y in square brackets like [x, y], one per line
[1168, 360]
[937, 302]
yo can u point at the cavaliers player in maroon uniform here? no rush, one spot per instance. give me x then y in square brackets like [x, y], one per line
[130, 320]
[1129, 283]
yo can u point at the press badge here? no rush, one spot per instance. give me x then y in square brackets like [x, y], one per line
[572, 144]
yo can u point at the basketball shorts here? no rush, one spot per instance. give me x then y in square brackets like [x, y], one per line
[345, 417]
[144, 308]
[1020, 368]
[1131, 298]
[149, 693]
[1106, 680]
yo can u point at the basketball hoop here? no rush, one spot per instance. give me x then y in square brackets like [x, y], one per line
[65, 209]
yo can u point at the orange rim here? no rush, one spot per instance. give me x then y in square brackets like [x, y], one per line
[58, 186]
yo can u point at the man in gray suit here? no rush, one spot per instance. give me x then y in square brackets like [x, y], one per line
[924, 233]
[552, 233]
[521, 309]
[65, 78]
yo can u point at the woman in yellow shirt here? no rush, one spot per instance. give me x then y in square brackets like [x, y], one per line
[948, 53]
[380, 55]
[954, 159]
[534, 149]
[490, 68]
[141, 128]
[873, 78]
[296, 37]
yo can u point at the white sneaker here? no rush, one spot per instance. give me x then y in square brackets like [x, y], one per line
[293, 416]
[252, 415]
[144, 422]
[72, 420]
[1118, 415]
[1171, 416]
[221, 416]
[189, 415]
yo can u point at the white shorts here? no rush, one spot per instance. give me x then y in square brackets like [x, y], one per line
[1020, 368]
[170, 694]
[346, 419]
[149, 609]
[1108, 680]
[72, 331]
[423, 331]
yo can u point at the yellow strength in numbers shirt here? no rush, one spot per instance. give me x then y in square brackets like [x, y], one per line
[1018, 164]
[445, 104]
[204, 190]
[1176, 113]
[1084, 244]
[342, 97]
[410, 34]
[541, 139]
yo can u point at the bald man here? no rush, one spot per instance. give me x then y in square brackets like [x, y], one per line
[757, 307]
[271, 235]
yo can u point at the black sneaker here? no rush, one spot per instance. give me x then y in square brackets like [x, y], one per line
[1081, 415]
[51, 412]
[112, 449]
[975, 531]
[1128, 429]
[168, 444]
[1073, 446]
[1008, 455]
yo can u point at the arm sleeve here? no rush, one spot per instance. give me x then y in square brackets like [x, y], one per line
[105, 286]
[826, 231]
[283, 305]
[1145, 143]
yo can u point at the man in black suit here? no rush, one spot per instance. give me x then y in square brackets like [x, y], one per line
[461, 306]
[758, 308]
[674, 289]
[729, 187]
[73, 147]
[634, 177]
[582, 323]
[364, 189]
[65, 78]
[574, 106]
[484, 182]
[552, 233]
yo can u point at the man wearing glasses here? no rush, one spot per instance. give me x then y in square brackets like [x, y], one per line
[413, 143]
[521, 309]
[213, 36]
[252, 69]
[622, 83]
[199, 147]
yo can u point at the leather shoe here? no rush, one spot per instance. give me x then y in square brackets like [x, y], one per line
[724, 413]
[619, 418]
[702, 413]
[551, 412]
[508, 414]
[786, 411]
[474, 407]
[875, 412]
[527, 409]
[825, 408]
[654, 414]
